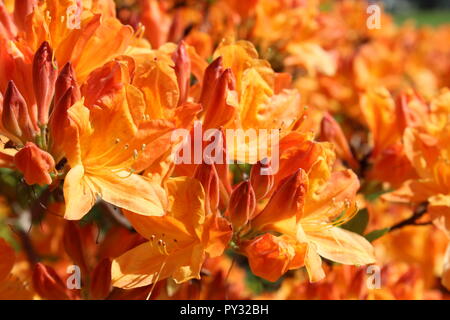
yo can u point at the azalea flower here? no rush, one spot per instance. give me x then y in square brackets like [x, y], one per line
[178, 242]
[305, 210]
[109, 140]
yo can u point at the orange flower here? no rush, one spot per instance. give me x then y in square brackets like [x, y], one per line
[306, 208]
[427, 148]
[109, 140]
[74, 29]
[178, 242]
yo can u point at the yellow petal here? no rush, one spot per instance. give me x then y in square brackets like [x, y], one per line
[129, 191]
[342, 246]
[78, 194]
[313, 264]
[146, 264]
[312, 260]
[335, 197]
[187, 202]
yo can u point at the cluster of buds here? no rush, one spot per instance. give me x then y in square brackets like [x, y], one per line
[36, 127]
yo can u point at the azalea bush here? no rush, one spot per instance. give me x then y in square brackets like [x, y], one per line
[261, 149]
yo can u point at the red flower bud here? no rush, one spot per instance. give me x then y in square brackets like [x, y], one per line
[35, 164]
[262, 179]
[212, 74]
[183, 71]
[218, 110]
[242, 205]
[286, 202]
[207, 175]
[65, 81]
[331, 131]
[59, 124]
[44, 77]
[15, 117]
[48, 284]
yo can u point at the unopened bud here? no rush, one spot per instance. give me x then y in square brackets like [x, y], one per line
[332, 132]
[286, 202]
[261, 178]
[15, 117]
[242, 205]
[219, 110]
[59, 126]
[48, 284]
[212, 74]
[44, 77]
[183, 71]
[67, 80]
[207, 175]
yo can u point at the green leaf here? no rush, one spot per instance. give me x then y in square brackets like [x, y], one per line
[359, 222]
[374, 235]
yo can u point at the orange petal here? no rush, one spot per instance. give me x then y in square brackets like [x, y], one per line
[285, 203]
[78, 194]
[35, 164]
[270, 257]
[146, 264]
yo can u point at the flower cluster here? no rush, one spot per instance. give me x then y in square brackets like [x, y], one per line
[100, 100]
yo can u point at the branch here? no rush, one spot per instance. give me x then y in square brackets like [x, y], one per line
[418, 213]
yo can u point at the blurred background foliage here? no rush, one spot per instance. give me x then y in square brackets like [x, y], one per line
[421, 12]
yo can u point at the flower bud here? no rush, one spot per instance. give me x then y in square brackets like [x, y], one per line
[48, 284]
[35, 164]
[242, 205]
[67, 80]
[221, 107]
[176, 28]
[262, 179]
[331, 131]
[59, 123]
[15, 117]
[101, 280]
[183, 71]
[286, 202]
[207, 175]
[44, 77]
[73, 245]
[212, 74]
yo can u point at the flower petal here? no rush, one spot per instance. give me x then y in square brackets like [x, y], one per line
[342, 246]
[78, 194]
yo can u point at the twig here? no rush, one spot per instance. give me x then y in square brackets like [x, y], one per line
[418, 213]
[28, 247]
